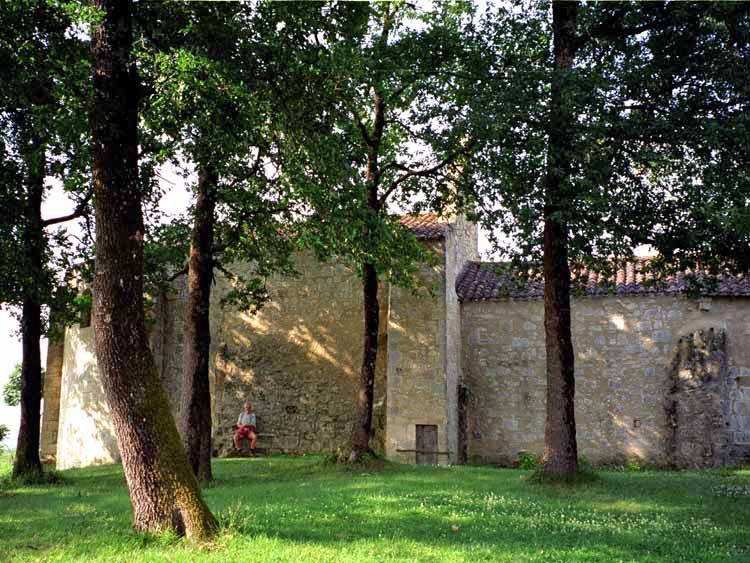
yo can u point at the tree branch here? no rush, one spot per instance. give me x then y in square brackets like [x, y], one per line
[410, 173]
[613, 27]
[78, 212]
[363, 129]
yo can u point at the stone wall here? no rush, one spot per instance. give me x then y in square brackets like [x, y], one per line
[624, 349]
[86, 434]
[460, 247]
[416, 381]
[297, 359]
[166, 319]
[700, 436]
[51, 395]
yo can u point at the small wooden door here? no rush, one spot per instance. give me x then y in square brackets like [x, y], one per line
[426, 444]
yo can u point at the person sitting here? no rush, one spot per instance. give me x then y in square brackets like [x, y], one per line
[246, 428]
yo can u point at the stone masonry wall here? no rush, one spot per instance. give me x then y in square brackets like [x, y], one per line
[297, 359]
[624, 347]
[460, 246]
[51, 413]
[416, 380]
[694, 405]
[166, 339]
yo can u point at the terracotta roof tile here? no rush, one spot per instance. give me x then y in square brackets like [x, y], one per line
[426, 226]
[480, 281]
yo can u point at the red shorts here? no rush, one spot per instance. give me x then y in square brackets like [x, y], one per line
[244, 431]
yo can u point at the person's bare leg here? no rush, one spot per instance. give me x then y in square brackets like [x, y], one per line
[253, 439]
[237, 441]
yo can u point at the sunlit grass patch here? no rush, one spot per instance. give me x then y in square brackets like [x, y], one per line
[302, 509]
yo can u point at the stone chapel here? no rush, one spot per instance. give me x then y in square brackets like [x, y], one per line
[661, 378]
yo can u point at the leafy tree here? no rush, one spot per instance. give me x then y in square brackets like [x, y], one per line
[12, 387]
[43, 118]
[369, 148]
[228, 128]
[163, 490]
[580, 160]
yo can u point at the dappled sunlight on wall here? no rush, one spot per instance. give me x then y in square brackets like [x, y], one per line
[623, 348]
[297, 359]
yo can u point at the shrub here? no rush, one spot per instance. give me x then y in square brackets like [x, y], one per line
[633, 466]
[527, 460]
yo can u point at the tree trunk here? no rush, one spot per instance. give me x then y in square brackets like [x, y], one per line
[560, 447]
[27, 462]
[195, 414]
[366, 392]
[163, 491]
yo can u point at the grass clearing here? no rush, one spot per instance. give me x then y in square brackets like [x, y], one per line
[300, 509]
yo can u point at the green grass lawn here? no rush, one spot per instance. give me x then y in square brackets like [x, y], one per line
[299, 509]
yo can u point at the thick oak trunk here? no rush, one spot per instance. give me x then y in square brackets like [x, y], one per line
[163, 491]
[560, 447]
[27, 462]
[195, 414]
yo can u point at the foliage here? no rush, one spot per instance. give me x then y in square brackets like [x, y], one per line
[45, 72]
[295, 508]
[4, 432]
[12, 387]
[212, 102]
[643, 71]
[633, 466]
[527, 460]
[383, 137]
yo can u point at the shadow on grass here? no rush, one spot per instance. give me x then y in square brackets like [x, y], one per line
[439, 513]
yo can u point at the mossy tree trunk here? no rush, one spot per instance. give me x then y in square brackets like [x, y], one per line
[195, 414]
[163, 491]
[560, 447]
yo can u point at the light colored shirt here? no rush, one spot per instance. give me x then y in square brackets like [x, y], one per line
[246, 419]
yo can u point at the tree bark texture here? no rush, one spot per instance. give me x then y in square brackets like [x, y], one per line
[366, 391]
[195, 414]
[27, 461]
[560, 447]
[163, 491]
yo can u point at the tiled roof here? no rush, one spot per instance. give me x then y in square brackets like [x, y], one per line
[480, 281]
[426, 226]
